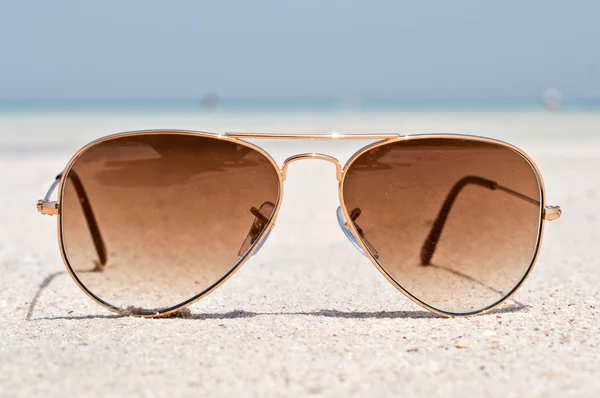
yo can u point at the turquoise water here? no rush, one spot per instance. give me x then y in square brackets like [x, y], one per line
[21, 131]
[326, 106]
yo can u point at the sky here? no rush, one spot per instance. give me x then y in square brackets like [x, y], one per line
[310, 48]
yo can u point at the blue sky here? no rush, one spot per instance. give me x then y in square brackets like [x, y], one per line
[309, 48]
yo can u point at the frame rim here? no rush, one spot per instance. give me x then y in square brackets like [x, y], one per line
[178, 307]
[464, 137]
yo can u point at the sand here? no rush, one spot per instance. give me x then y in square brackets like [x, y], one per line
[309, 315]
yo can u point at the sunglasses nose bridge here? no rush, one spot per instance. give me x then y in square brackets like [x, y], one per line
[312, 155]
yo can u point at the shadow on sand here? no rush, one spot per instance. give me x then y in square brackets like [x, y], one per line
[246, 314]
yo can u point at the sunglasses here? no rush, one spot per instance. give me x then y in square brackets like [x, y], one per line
[149, 222]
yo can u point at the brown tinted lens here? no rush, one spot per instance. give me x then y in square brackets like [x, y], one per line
[455, 221]
[151, 221]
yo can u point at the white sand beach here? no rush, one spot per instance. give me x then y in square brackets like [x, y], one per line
[308, 315]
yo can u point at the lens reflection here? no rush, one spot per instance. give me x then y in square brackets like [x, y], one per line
[455, 222]
[150, 221]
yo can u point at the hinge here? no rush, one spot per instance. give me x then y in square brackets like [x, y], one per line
[47, 207]
[552, 213]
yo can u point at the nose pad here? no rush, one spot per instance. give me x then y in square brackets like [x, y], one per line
[261, 219]
[346, 229]
[262, 243]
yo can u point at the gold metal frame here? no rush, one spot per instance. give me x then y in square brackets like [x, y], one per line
[544, 212]
[48, 207]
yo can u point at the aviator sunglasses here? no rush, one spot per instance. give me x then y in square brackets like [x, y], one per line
[149, 222]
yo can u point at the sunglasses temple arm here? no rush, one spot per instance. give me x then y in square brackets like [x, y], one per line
[46, 206]
[89, 217]
[435, 233]
[52, 188]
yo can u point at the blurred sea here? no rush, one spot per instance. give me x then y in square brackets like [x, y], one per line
[283, 106]
[49, 126]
